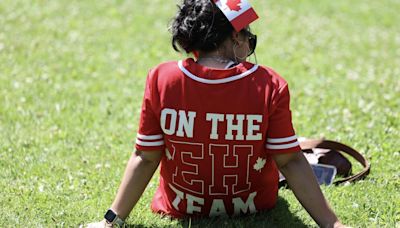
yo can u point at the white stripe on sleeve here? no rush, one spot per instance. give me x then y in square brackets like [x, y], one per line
[282, 140]
[142, 143]
[149, 137]
[282, 146]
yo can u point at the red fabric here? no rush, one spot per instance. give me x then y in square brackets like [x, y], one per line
[206, 172]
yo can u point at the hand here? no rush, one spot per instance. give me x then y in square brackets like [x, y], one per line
[101, 224]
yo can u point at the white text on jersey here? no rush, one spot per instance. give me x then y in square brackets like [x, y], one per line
[181, 123]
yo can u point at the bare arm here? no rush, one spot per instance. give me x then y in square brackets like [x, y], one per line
[302, 181]
[138, 173]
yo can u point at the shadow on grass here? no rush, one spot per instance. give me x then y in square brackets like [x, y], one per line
[280, 216]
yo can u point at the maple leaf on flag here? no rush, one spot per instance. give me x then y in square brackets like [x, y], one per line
[234, 5]
[260, 163]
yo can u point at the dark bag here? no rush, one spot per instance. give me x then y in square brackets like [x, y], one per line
[331, 153]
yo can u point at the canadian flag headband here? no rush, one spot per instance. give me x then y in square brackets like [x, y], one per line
[239, 12]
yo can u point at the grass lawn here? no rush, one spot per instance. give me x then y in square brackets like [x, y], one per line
[72, 75]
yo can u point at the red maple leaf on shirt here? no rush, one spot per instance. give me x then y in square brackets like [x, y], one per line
[234, 5]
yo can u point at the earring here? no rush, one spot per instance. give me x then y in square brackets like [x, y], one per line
[238, 58]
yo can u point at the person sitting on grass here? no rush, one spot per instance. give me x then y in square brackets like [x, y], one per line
[219, 127]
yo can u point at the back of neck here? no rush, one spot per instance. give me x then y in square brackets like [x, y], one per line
[216, 62]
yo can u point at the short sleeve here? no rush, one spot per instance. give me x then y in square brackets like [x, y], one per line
[281, 137]
[150, 136]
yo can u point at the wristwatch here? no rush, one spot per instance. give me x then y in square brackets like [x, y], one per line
[112, 218]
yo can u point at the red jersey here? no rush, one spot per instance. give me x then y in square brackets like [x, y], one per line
[218, 129]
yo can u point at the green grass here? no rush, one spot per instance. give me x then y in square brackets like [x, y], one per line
[71, 82]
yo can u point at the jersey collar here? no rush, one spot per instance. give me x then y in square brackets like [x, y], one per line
[208, 75]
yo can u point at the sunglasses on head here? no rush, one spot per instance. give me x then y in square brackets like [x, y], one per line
[252, 41]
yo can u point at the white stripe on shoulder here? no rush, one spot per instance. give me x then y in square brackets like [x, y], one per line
[281, 140]
[156, 143]
[216, 81]
[149, 137]
[283, 146]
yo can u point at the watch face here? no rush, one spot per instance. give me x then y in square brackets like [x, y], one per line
[110, 216]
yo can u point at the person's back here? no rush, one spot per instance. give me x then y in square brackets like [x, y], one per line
[218, 135]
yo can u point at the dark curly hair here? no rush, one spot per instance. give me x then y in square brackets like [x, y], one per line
[199, 25]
